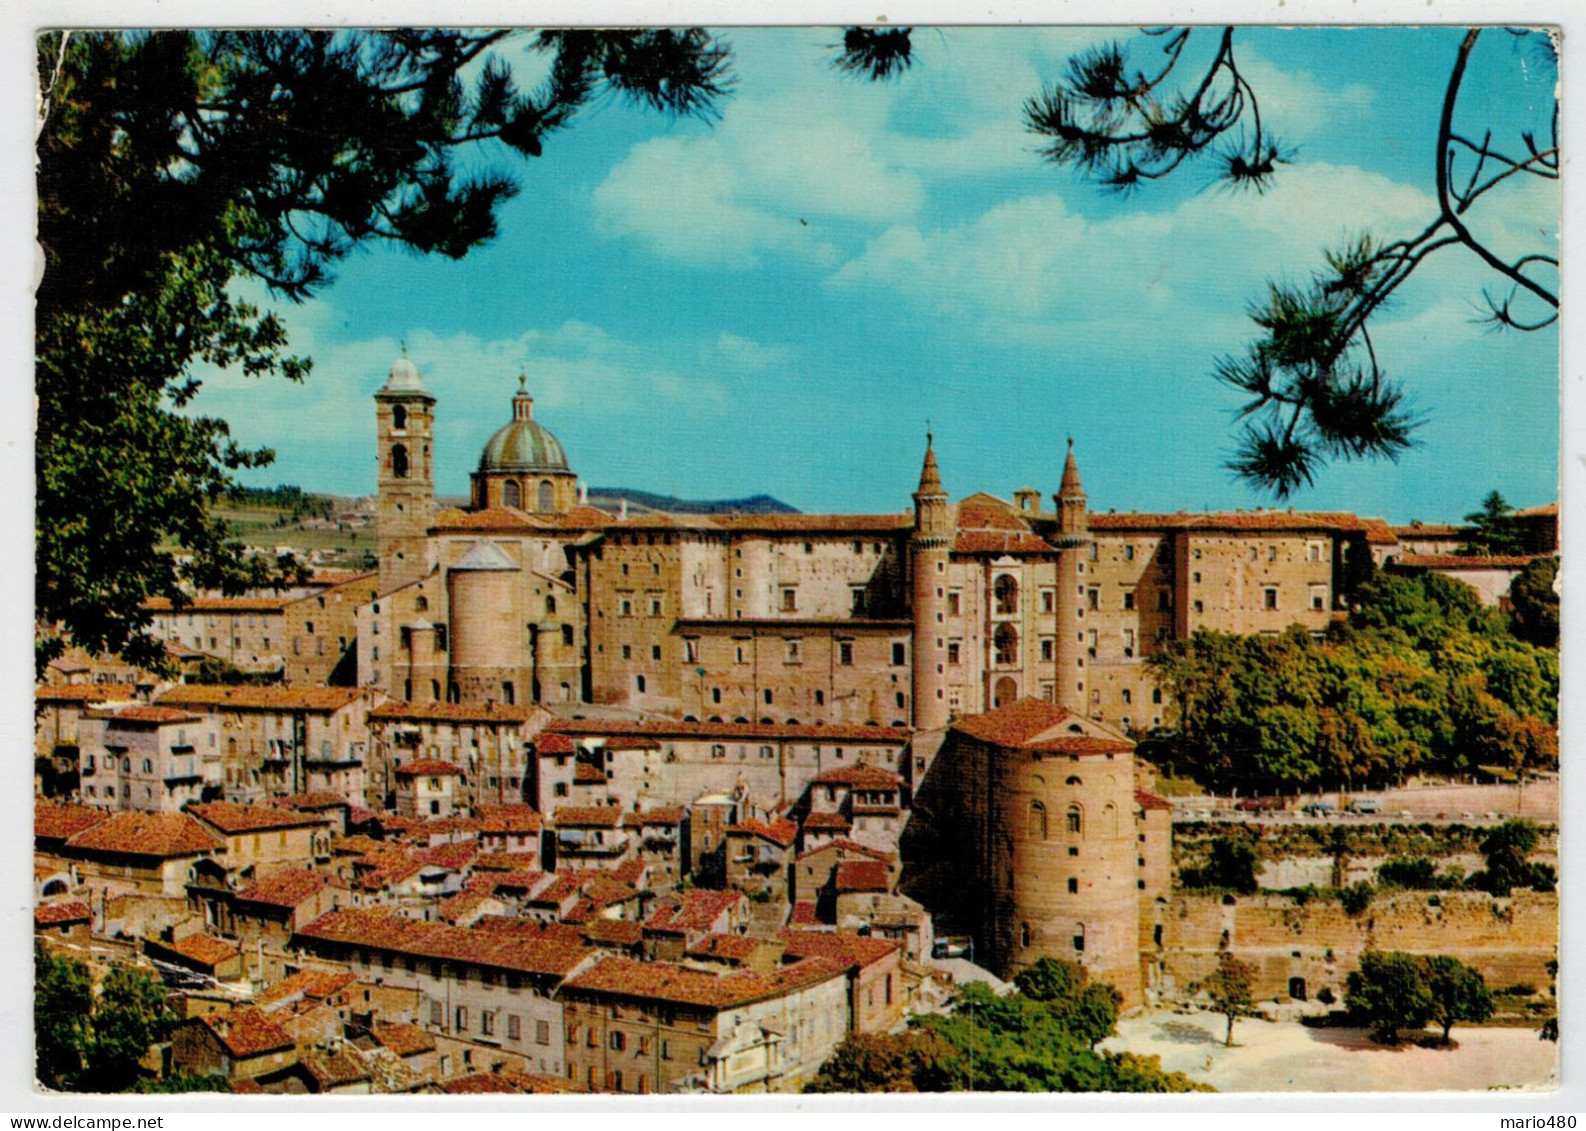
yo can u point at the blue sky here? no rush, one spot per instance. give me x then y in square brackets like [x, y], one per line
[780, 302]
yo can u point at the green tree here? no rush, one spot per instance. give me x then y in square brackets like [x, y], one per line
[882, 1062]
[1493, 528]
[1417, 874]
[1458, 993]
[1507, 850]
[1231, 863]
[130, 1014]
[1389, 990]
[1534, 602]
[172, 164]
[1312, 384]
[62, 1007]
[1088, 1010]
[1232, 990]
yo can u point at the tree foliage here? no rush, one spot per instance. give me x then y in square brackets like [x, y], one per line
[1493, 529]
[1421, 679]
[1232, 990]
[94, 1040]
[1458, 993]
[1313, 385]
[172, 164]
[1533, 602]
[1389, 990]
[1231, 864]
[1507, 850]
[1014, 1043]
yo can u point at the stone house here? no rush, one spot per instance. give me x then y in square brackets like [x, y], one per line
[259, 840]
[148, 759]
[241, 1045]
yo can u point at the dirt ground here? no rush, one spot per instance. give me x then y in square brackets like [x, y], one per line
[1288, 1057]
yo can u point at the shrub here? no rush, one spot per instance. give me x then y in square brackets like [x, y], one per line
[1356, 897]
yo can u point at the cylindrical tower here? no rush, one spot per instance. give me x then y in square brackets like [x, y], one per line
[1072, 539]
[1066, 883]
[929, 548]
[426, 678]
[487, 648]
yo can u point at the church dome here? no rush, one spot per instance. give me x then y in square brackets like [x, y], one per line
[404, 378]
[523, 445]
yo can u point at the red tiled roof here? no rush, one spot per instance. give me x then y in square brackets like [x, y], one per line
[286, 888]
[1000, 542]
[804, 914]
[84, 692]
[614, 932]
[842, 845]
[665, 981]
[203, 949]
[333, 577]
[398, 711]
[57, 822]
[863, 777]
[233, 819]
[736, 948]
[260, 698]
[780, 831]
[247, 1032]
[699, 912]
[1225, 520]
[549, 742]
[504, 861]
[1460, 561]
[491, 518]
[981, 511]
[1429, 530]
[1546, 510]
[508, 820]
[863, 875]
[402, 1039]
[146, 834]
[456, 855]
[314, 985]
[847, 947]
[586, 774]
[672, 728]
[429, 767]
[333, 1068]
[220, 604]
[159, 716]
[831, 822]
[56, 914]
[1147, 800]
[320, 800]
[439, 940]
[1038, 725]
[586, 817]
[505, 1082]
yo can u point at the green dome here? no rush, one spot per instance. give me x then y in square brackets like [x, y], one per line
[523, 445]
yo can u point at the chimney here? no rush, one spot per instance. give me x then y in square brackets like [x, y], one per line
[622, 511]
[583, 493]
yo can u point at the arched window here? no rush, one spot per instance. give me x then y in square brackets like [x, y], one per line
[509, 694]
[512, 494]
[422, 604]
[547, 496]
[1076, 820]
[638, 684]
[1005, 642]
[550, 603]
[1005, 692]
[1072, 781]
[1005, 591]
[399, 461]
[1024, 934]
[1109, 819]
[1037, 822]
[1079, 937]
[399, 417]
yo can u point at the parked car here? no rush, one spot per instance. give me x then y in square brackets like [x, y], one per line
[1317, 808]
[1365, 805]
[1259, 804]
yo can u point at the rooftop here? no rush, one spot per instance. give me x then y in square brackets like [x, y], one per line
[242, 698]
[378, 931]
[233, 819]
[146, 834]
[668, 982]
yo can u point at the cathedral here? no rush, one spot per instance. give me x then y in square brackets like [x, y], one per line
[910, 619]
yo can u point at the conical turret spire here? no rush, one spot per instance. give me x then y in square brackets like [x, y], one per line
[930, 474]
[1071, 485]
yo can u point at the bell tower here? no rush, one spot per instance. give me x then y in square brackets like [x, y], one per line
[404, 430]
[1072, 539]
[929, 548]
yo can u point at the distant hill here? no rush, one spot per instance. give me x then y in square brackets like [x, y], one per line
[609, 498]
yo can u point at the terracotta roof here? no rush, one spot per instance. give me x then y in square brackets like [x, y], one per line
[1000, 542]
[456, 855]
[508, 820]
[614, 932]
[491, 518]
[402, 1039]
[549, 742]
[833, 822]
[439, 940]
[398, 711]
[334, 1068]
[1038, 725]
[862, 777]
[314, 985]
[882, 524]
[700, 911]
[1461, 561]
[260, 698]
[506, 1083]
[159, 716]
[1430, 530]
[429, 767]
[667, 982]
[804, 913]
[205, 950]
[220, 604]
[847, 947]
[735, 948]
[1297, 521]
[586, 774]
[585, 517]
[233, 819]
[664, 815]
[863, 875]
[457, 907]
[57, 822]
[1546, 510]
[672, 728]
[333, 577]
[146, 834]
[842, 845]
[286, 888]
[247, 1032]
[56, 914]
[1148, 800]
[504, 861]
[586, 816]
[780, 831]
[84, 692]
[320, 800]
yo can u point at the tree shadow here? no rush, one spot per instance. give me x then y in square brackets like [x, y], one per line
[1183, 1033]
[1353, 1040]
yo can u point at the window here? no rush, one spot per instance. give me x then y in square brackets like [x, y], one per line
[547, 498]
[655, 651]
[618, 1041]
[1093, 598]
[1156, 695]
[856, 600]
[435, 1013]
[1024, 934]
[487, 1022]
[148, 767]
[1079, 937]
[954, 649]
[717, 750]
[1005, 595]
[1048, 648]
[512, 494]
[1128, 553]
[954, 602]
[399, 461]
[790, 600]
[1073, 885]
[655, 606]
[1164, 600]
[514, 1027]
[1048, 600]
[638, 684]
[399, 417]
[1319, 597]
[1005, 643]
[792, 648]
[550, 603]
[1076, 820]
[509, 694]
[542, 1032]
[462, 1018]
[1037, 822]
[666, 1050]
[560, 789]
[567, 635]
[766, 695]
[1128, 598]
[1128, 696]
[1269, 597]
[900, 654]
[845, 653]
[1128, 642]
[691, 650]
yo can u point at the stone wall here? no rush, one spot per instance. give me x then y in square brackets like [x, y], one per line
[1508, 939]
